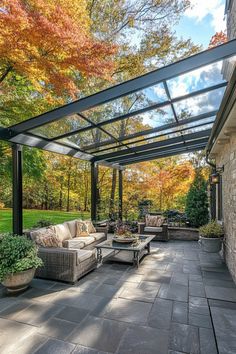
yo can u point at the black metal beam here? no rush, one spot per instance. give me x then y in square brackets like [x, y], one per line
[183, 66]
[94, 181]
[120, 195]
[17, 189]
[110, 157]
[165, 154]
[161, 150]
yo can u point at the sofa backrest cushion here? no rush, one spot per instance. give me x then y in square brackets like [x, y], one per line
[154, 220]
[72, 227]
[48, 238]
[35, 233]
[62, 231]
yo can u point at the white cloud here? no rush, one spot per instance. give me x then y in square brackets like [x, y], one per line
[202, 8]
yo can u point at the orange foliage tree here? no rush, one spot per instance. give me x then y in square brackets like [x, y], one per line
[217, 39]
[49, 43]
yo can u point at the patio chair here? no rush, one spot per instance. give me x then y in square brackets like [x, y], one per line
[154, 224]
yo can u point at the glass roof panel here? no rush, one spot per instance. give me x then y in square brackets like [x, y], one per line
[198, 129]
[62, 126]
[86, 140]
[127, 104]
[141, 122]
[171, 132]
[199, 104]
[195, 80]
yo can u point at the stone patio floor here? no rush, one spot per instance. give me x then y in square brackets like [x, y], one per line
[180, 301]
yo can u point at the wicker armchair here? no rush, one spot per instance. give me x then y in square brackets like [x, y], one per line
[161, 232]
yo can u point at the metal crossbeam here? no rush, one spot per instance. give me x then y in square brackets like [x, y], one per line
[153, 130]
[158, 144]
[166, 154]
[180, 144]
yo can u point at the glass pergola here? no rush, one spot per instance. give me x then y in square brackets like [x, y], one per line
[165, 112]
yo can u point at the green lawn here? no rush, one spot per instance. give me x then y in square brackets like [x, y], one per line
[32, 216]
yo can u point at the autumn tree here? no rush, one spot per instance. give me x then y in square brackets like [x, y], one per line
[50, 44]
[218, 39]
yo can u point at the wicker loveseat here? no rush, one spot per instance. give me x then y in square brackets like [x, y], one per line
[76, 258]
[160, 231]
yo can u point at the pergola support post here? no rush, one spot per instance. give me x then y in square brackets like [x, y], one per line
[94, 180]
[120, 194]
[17, 189]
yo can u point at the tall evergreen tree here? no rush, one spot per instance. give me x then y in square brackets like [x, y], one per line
[197, 202]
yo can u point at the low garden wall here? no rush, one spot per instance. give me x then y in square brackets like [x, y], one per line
[183, 233]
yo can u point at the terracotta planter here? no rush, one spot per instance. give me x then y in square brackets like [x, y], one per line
[19, 281]
[211, 245]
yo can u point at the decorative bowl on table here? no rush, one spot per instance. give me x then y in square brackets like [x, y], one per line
[124, 239]
[123, 235]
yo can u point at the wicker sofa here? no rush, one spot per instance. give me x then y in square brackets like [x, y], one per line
[70, 262]
[161, 232]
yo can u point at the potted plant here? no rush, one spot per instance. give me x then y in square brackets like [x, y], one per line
[18, 261]
[211, 237]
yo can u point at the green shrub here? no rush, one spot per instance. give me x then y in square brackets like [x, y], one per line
[42, 223]
[17, 253]
[211, 230]
[197, 202]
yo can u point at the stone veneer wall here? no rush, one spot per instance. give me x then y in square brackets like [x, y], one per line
[183, 233]
[231, 21]
[227, 157]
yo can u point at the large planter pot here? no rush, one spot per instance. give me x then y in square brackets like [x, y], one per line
[19, 281]
[212, 245]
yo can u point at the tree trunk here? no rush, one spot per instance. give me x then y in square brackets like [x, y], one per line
[68, 186]
[86, 193]
[4, 75]
[60, 197]
[112, 198]
[46, 197]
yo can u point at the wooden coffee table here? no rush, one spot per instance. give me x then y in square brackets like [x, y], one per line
[137, 248]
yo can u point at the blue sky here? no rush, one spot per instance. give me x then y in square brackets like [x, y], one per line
[202, 21]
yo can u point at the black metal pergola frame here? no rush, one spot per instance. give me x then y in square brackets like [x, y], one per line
[173, 137]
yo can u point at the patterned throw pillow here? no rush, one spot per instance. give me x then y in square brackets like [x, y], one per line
[82, 229]
[91, 228]
[48, 238]
[154, 220]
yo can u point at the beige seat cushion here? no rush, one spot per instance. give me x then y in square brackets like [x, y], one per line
[62, 231]
[83, 255]
[153, 229]
[87, 240]
[75, 243]
[72, 227]
[98, 235]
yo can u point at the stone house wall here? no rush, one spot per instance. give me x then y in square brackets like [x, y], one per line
[231, 20]
[227, 158]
